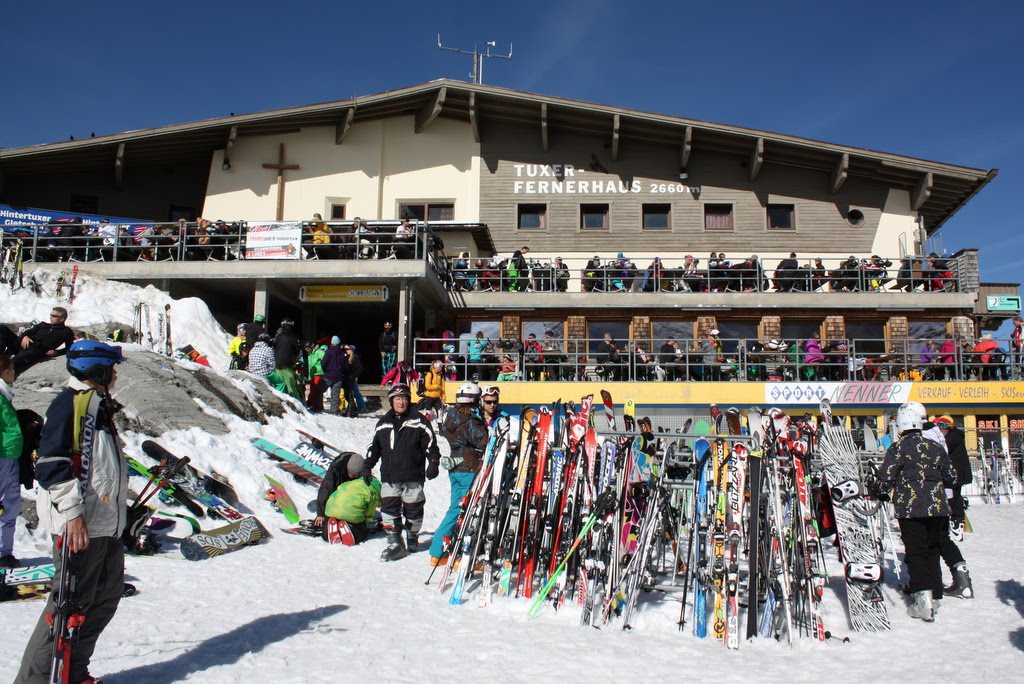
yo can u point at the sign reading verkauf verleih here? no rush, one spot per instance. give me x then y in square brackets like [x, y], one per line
[343, 293]
[276, 240]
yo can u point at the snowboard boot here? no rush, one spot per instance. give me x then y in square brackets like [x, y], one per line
[961, 587]
[412, 541]
[396, 549]
[921, 606]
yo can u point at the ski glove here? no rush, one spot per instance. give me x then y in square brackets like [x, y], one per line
[432, 470]
[367, 475]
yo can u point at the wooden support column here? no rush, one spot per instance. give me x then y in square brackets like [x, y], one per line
[474, 118]
[430, 110]
[756, 159]
[344, 126]
[922, 191]
[687, 148]
[576, 336]
[119, 166]
[834, 328]
[616, 122]
[840, 173]
[704, 324]
[770, 328]
[544, 126]
[641, 330]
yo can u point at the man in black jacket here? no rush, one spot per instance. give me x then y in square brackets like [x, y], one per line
[405, 445]
[962, 586]
[41, 341]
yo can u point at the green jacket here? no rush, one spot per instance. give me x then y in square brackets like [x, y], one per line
[10, 430]
[354, 501]
[314, 362]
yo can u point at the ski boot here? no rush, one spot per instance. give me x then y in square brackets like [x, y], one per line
[412, 541]
[961, 587]
[921, 607]
[396, 549]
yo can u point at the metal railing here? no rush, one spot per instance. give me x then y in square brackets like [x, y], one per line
[216, 241]
[723, 360]
[910, 274]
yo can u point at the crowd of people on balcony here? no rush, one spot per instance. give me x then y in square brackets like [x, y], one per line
[719, 274]
[73, 239]
[710, 358]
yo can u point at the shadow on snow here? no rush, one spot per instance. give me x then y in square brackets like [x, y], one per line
[1011, 593]
[227, 648]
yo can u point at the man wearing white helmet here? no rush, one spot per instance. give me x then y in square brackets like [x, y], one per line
[467, 436]
[917, 471]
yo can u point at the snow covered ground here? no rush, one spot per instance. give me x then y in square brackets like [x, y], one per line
[295, 609]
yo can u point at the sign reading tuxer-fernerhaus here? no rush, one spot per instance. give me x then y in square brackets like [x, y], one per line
[567, 179]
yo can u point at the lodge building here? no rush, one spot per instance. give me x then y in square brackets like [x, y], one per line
[489, 170]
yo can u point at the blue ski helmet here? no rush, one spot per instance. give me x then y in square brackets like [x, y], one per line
[92, 360]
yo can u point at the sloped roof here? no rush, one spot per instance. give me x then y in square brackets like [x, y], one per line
[938, 190]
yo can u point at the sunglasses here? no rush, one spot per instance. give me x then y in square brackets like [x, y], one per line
[495, 401]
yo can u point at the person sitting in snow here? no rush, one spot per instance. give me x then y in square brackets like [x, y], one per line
[346, 505]
[40, 342]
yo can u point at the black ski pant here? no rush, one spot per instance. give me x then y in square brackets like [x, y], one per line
[99, 587]
[956, 505]
[922, 538]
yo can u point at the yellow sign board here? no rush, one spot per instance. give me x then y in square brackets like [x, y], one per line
[343, 293]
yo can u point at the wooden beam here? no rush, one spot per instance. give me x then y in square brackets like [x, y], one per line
[687, 149]
[119, 166]
[922, 191]
[756, 159]
[474, 117]
[616, 122]
[232, 134]
[344, 125]
[840, 173]
[430, 110]
[544, 126]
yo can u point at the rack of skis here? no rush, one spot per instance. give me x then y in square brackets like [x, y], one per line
[576, 518]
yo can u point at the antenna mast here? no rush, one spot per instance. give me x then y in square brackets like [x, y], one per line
[478, 57]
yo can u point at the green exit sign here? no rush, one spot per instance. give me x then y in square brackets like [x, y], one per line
[1002, 303]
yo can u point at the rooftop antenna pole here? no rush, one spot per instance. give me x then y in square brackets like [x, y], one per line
[478, 57]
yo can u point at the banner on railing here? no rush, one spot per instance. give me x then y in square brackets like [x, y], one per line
[14, 219]
[277, 240]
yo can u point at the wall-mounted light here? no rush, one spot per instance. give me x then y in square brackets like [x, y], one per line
[226, 166]
[683, 173]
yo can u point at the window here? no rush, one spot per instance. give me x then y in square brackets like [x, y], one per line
[597, 329]
[717, 217]
[593, 217]
[657, 217]
[337, 212]
[532, 217]
[680, 331]
[781, 217]
[423, 211]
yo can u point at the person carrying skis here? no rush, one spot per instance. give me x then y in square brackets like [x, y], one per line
[83, 495]
[405, 446]
[467, 436]
[387, 343]
[11, 442]
[346, 498]
[917, 471]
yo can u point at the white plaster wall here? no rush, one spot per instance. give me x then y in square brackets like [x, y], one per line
[897, 219]
[440, 164]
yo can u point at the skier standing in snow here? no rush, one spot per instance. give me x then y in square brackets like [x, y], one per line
[962, 586]
[432, 400]
[255, 329]
[286, 353]
[315, 375]
[467, 436]
[404, 444]
[11, 441]
[239, 358]
[388, 345]
[917, 471]
[83, 490]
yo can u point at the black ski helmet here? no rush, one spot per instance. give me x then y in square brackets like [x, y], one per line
[94, 361]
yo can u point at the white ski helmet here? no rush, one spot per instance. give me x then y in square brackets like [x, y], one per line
[909, 417]
[468, 394]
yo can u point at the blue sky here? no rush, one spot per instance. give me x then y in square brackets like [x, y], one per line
[937, 80]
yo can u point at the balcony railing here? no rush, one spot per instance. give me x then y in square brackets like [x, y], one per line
[734, 360]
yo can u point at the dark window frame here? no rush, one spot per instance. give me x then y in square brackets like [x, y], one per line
[716, 206]
[542, 214]
[602, 209]
[647, 207]
[780, 207]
